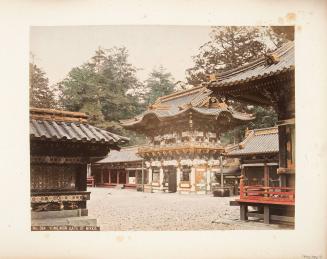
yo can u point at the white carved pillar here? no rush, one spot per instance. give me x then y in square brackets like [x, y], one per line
[193, 179]
[88, 170]
[178, 177]
[208, 176]
[161, 177]
[150, 176]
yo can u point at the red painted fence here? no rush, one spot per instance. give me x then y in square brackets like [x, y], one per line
[259, 193]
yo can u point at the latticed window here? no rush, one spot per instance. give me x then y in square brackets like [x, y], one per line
[166, 176]
[53, 177]
[185, 174]
[155, 175]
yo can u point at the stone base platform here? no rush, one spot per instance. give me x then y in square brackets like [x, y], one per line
[64, 220]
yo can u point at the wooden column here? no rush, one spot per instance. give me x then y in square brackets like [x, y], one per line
[193, 179]
[266, 175]
[101, 179]
[282, 153]
[89, 170]
[161, 177]
[118, 173]
[266, 214]
[208, 177]
[221, 172]
[242, 187]
[243, 211]
[150, 176]
[109, 173]
[178, 177]
[81, 175]
[127, 176]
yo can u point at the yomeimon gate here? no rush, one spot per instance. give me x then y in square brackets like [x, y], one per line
[268, 81]
[183, 131]
[61, 146]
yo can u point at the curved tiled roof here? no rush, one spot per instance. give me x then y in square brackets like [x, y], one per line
[124, 155]
[185, 101]
[258, 141]
[68, 126]
[276, 62]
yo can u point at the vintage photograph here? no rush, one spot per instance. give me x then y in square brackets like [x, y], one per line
[162, 128]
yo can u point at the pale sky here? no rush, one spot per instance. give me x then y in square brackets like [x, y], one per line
[58, 49]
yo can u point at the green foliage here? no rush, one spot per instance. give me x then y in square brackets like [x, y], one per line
[264, 118]
[107, 89]
[158, 84]
[41, 95]
[283, 32]
[231, 47]
[103, 88]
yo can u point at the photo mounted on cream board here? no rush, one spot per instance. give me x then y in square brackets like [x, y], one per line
[200, 140]
[133, 131]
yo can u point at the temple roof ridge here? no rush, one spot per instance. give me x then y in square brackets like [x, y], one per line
[179, 94]
[59, 125]
[275, 62]
[197, 100]
[57, 115]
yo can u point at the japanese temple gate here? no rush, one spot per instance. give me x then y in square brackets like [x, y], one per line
[183, 129]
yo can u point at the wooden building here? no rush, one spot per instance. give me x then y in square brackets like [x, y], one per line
[183, 130]
[258, 157]
[61, 146]
[268, 81]
[123, 169]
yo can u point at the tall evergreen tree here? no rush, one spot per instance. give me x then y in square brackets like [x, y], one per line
[159, 83]
[231, 47]
[41, 95]
[101, 88]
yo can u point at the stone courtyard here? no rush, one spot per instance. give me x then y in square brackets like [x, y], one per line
[128, 210]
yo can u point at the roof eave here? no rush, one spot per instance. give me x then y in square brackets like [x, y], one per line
[251, 153]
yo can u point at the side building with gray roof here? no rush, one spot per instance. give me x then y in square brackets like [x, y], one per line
[120, 169]
[257, 153]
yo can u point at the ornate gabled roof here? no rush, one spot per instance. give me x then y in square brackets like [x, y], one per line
[56, 125]
[279, 61]
[128, 154]
[257, 141]
[196, 99]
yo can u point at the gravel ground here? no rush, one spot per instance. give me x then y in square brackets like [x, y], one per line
[120, 210]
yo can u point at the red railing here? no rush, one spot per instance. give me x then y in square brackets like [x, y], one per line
[90, 181]
[267, 194]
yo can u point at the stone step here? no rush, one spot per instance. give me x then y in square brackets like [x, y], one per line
[69, 221]
[57, 214]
